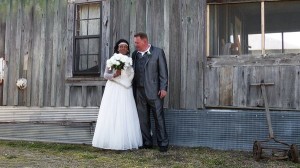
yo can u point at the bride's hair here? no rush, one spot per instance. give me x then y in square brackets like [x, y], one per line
[117, 46]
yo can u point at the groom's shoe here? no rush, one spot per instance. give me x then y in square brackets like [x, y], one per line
[163, 149]
[146, 147]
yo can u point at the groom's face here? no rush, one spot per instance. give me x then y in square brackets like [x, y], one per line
[140, 44]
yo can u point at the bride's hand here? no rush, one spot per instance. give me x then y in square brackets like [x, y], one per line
[117, 73]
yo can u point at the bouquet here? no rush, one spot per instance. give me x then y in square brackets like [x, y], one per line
[119, 62]
[22, 83]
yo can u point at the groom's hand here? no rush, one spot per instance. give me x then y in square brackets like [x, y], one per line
[162, 93]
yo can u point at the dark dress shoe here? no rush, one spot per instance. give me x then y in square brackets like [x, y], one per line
[146, 147]
[163, 149]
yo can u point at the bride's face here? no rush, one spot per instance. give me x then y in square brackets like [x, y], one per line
[123, 49]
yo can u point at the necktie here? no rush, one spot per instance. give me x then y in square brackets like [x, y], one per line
[139, 55]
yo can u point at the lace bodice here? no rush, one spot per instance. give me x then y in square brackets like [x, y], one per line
[125, 79]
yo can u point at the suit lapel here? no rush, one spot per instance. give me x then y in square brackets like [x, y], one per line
[134, 58]
[149, 55]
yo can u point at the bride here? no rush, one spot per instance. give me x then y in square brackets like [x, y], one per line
[118, 126]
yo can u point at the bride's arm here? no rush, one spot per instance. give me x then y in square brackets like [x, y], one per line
[130, 73]
[108, 74]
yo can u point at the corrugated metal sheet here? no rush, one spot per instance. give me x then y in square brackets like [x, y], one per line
[218, 129]
[229, 129]
[64, 125]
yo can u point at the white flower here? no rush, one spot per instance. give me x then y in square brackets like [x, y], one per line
[21, 83]
[117, 60]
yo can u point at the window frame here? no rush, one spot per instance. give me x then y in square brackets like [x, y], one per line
[75, 38]
[263, 33]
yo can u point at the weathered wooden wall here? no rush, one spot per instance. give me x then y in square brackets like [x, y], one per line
[229, 79]
[177, 27]
[39, 47]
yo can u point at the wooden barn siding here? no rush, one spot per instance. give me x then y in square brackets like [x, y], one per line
[177, 27]
[3, 13]
[228, 81]
[39, 47]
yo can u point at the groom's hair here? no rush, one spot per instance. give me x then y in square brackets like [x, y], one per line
[141, 35]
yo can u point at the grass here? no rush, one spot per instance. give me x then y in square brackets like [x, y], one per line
[37, 154]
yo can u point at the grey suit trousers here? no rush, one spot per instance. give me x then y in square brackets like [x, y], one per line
[145, 107]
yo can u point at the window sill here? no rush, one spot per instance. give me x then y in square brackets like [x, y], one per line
[272, 55]
[86, 80]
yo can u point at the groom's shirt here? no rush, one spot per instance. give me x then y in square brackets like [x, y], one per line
[143, 52]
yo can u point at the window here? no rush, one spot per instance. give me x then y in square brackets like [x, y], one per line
[237, 27]
[282, 27]
[87, 39]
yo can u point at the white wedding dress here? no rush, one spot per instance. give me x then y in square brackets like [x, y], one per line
[118, 126]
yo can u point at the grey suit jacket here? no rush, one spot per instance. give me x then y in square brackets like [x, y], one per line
[156, 72]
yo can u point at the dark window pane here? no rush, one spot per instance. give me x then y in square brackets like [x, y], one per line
[93, 61]
[82, 28]
[94, 27]
[82, 12]
[83, 62]
[234, 29]
[94, 46]
[94, 11]
[81, 46]
[282, 27]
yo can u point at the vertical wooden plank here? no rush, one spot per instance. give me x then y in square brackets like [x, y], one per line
[226, 87]
[254, 98]
[212, 88]
[183, 54]
[70, 40]
[48, 53]
[60, 79]
[193, 53]
[7, 53]
[202, 53]
[26, 43]
[4, 7]
[272, 75]
[166, 40]
[28, 62]
[141, 15]
[115, 18]
[18, 48]
[124, 27]
[149, 18]
[56, 52]
[67, 95]
[287, 89]
[84, 96]
[100, 94]
[40, 10]
[75, 96]
[175, 54]
[14, 49]
[105, 41]
[240, 86]
[42, 54]
[132, 23]
[92, 98]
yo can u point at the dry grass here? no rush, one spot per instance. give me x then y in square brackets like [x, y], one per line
[36, 154]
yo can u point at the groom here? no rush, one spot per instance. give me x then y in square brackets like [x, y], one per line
[150, 85]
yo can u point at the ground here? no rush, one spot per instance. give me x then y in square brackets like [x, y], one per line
[37, 154]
